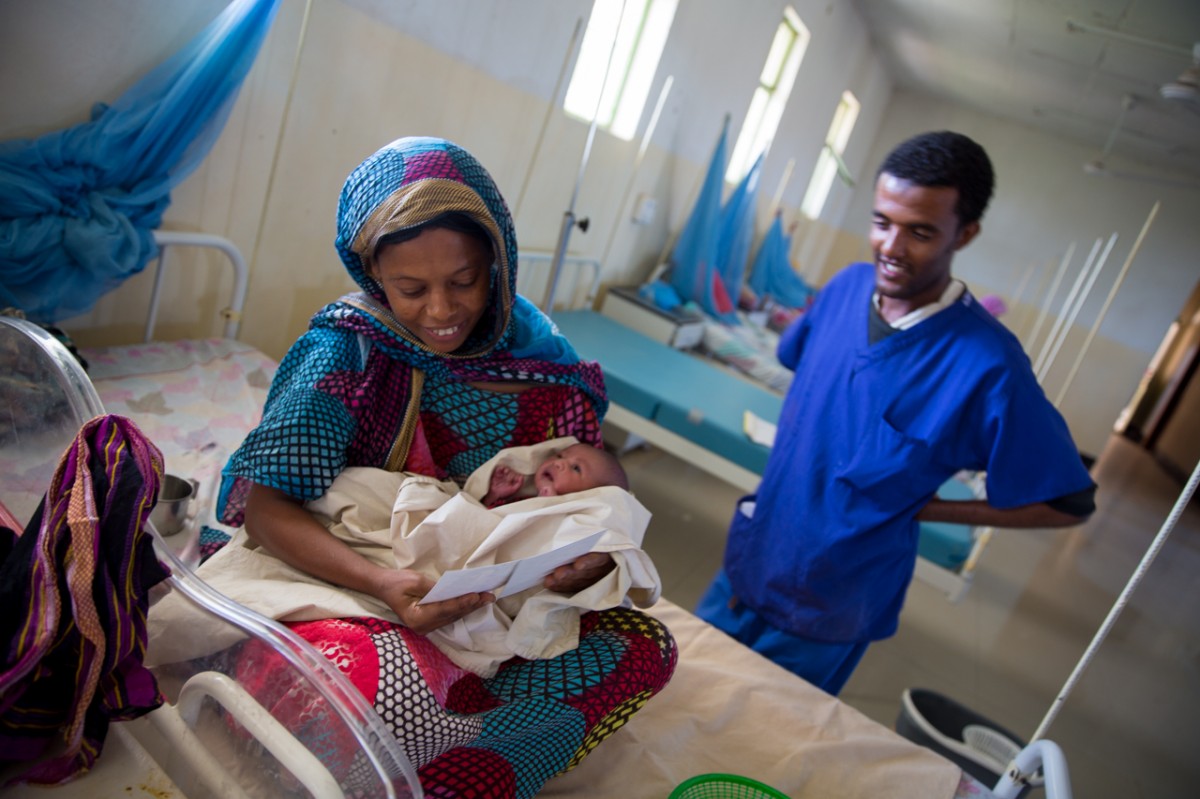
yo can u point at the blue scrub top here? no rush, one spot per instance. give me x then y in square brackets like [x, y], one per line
[867, 435]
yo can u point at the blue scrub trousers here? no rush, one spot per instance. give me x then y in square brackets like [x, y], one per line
[826, 665]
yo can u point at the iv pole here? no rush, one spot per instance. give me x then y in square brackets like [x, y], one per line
[569, 221]
[637, 163]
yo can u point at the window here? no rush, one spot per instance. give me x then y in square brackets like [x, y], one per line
[774, 87]
[634, 33]
[830, 162]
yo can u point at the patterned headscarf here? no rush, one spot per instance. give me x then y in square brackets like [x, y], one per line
[349, 412]
[411, 182]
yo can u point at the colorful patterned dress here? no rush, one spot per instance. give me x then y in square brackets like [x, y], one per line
[359, 389]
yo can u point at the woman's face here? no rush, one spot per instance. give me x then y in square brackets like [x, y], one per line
[437, 285]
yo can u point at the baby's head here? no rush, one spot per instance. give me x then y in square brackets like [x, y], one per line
[576, 468]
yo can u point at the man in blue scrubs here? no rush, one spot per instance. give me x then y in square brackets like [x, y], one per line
[901, 379]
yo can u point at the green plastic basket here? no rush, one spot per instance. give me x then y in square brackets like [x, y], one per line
[724, 786]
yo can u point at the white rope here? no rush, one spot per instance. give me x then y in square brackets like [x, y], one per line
[637, 164]
[1018, 293]
[550, 107]
[287, 104]
[1107, 302]
[783, 181]
[1052, 338]
[1045, 309]
[1087, 290]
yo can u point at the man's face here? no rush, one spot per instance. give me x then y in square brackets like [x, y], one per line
[914, 235]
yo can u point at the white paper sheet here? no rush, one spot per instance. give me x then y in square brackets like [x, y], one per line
[758, 429]
[503, 579]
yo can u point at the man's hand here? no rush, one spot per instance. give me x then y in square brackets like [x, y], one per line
[401, 589]
[978, 513]
[580, 573]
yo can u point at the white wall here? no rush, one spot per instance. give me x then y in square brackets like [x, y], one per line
[58, 57]
[476, 72]
[1044, 201]
[485, 74]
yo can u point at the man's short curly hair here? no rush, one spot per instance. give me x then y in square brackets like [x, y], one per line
[946, 158]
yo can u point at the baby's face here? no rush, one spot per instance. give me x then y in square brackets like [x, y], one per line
[576, 468]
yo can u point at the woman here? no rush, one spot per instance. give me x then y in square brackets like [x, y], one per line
[433, 369]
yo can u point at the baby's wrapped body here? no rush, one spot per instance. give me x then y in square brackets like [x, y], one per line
[412, 521]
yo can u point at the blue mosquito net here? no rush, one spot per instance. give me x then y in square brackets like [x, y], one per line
[694, 259]
[735, 232]
[78, 206]
[772, 274]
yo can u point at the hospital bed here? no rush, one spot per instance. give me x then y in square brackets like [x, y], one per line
[211, 738]
[697, 411]
[726, 710]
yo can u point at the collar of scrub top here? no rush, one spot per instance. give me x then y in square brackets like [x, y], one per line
[950, 296]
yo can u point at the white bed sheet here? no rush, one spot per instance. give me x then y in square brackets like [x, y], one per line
[196, 400]
[726, 710]
[729, 710]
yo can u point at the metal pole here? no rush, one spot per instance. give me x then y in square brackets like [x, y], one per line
[564, 232]
[537, 148]
[637, 162]
[1140, 572]
[1107, 302]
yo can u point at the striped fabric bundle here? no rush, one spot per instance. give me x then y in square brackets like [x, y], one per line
[75, 591]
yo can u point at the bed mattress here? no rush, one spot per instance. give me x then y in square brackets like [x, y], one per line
[677, 391]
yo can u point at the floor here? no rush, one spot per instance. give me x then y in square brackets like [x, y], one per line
[1130, 726]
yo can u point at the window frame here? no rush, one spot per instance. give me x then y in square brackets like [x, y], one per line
[770, 97]
[829, 161]
[639, 35]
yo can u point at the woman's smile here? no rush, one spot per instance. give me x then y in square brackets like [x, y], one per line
[436, 285]
[443, 332]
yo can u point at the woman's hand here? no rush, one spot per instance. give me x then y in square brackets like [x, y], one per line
[401, 589]
[580, 573]
[286, 529]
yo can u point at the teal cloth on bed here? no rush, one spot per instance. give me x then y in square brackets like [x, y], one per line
[81, 204]
[678, 392]
[947, 545]
[705, 405]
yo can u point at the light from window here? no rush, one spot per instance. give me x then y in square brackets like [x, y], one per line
[633, 33]
[830, 163]
[771, 96]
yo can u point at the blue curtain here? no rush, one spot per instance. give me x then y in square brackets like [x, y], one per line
[78, 207]
[773, 275]
[694, 260]
[736, 231]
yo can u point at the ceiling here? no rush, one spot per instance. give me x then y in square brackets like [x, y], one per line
[1098, 84]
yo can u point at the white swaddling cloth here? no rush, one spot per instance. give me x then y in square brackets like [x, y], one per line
[411, 521]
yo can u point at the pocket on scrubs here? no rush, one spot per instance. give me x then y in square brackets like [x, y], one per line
[887, 471]
[740, 532]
